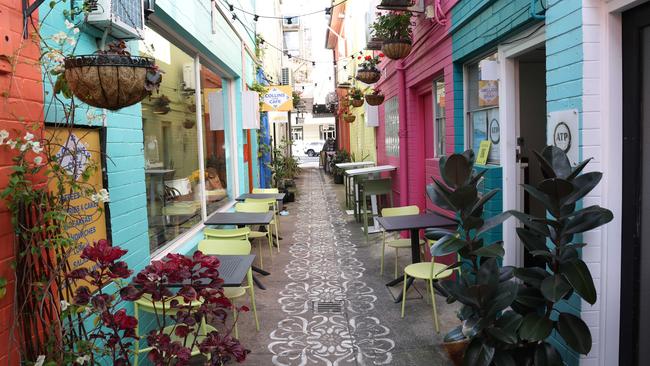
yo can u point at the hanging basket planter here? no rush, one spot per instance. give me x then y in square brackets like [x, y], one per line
[374, 99]
[111, 81]
[349, 118]
[368, 76]
[396, 49]
[357, 103]
[395, 5]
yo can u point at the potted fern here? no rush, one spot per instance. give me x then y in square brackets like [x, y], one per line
[508, 314]
[396, 32]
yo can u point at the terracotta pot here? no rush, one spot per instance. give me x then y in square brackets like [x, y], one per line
[374, 99]
[396, 49]
[357, 103]
[349, 118]
[369, 76]
[108, 81]
[395, 4]
[456, 350]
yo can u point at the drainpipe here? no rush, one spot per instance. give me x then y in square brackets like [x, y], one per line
[533, 13]
[403, 143]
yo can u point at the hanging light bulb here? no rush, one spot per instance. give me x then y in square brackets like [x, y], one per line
[231, 7]
[234, 16]
[289, 20]
[328, 11]
[313, 63]
[256, 17]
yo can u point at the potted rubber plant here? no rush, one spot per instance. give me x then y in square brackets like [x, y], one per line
[356, 97]
[110, 78]
[396, 32]
[375, 97]
[508, 314]
[368, 72]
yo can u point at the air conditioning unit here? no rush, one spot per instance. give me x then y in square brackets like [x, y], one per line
[189, 77]
[124, 19]
[287, 76]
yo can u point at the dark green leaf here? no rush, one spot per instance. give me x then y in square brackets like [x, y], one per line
[494, 221]
[492, 250]
[455, 335]
[473, 222]
[483, 200]
[588, 219]
[584, 184]
[578, 169]
[461, 293]
[531, 240]
[547, 355]
[531, 222]
[488, 273]
[478, 353]
[503, 358]
[543, 198]
[556, 188]
[447, 245]
[457, 170]
[502, 335]
[532, 275]
[558, 160]
[439, 195]
[530, 297]
[503, 298]
[568, 253]
[464, 197]
[554, 288]
[477, 177]
[509, 321]
[469, 155]
[578, 275]
[545, 166]
[535, 327]
[575, 332]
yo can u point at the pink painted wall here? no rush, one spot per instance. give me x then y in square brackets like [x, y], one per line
[430, 59]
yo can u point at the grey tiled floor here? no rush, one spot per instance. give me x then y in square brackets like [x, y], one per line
[324, 257]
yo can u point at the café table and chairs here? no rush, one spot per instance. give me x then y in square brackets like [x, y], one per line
[348, 181]
[358, 175]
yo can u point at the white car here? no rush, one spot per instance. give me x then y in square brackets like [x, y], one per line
[313, 148]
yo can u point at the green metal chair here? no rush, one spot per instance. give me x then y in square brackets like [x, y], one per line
[399, 243]
[374, 187]
[240, 233]
[257, 207]
[233, 247]
[272, 204]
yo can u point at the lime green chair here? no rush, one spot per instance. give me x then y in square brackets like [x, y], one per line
[253, 234]
[399, 243]
[272, 205]
[147, 305]
[239, 233]
[266, 191]
[233, 247]
[430, 272]
[374, 187]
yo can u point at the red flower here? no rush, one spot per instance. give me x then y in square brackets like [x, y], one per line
[381, 55]
[120, 320]
[368, 58]
[102, 253]
[359, 58]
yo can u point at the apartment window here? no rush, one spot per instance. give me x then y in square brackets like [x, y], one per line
[327, 132]
[483, 105]
[439, 117]
[296, 133]
[391, 113]
[175, 199]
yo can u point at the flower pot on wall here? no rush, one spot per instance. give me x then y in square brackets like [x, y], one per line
[396, 5]
[108, 81]
[357, 103]
[349, 118]
[396, 49]
[369, 76]
[374, 99]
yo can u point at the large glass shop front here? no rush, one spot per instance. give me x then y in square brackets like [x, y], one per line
[171, 143]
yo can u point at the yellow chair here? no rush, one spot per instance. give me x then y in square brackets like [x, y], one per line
[397, 243]
[253, 234]
[233, 247]
[240, 233]
[272, 204]
[158, 307]
[429, 271]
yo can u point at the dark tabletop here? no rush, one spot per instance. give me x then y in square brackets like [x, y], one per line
[277, 196]
[410, 222]
[233, 268]
[239, 218]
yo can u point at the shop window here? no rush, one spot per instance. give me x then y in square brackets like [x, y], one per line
[439, 117]
[171, 146]
[483, 106]
[391, 113]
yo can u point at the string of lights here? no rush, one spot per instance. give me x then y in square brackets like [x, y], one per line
[289, 19]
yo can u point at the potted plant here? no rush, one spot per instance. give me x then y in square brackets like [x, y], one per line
[356, 97]
[111, 78]
[368, 72]
[341, 156]
[508, 321]
[161, 105]
[349, 118]
[395, 30]
[375, 98]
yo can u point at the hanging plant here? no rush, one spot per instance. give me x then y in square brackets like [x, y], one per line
[110, 79]
[397, 5]
[356, 97]
[368, 72]
[349, 118]
[189, 124]
[396, 31]
[161, 105]
[375, 98]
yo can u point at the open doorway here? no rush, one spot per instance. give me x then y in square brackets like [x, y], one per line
[531, 110]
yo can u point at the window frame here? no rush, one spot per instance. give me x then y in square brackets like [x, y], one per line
[439, 120]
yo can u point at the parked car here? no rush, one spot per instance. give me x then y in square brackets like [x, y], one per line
[313, 148]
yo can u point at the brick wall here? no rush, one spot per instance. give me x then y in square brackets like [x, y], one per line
[20, 105]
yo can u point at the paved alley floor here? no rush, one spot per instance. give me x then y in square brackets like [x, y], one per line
[326, 302]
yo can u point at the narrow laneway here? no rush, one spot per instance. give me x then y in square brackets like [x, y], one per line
[326, 303]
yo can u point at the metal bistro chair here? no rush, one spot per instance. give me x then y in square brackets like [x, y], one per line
[399, 243]
[233, 247]
[254, 207]
[272, 205]
[430, 272]
[374, 187]
[238, 233]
